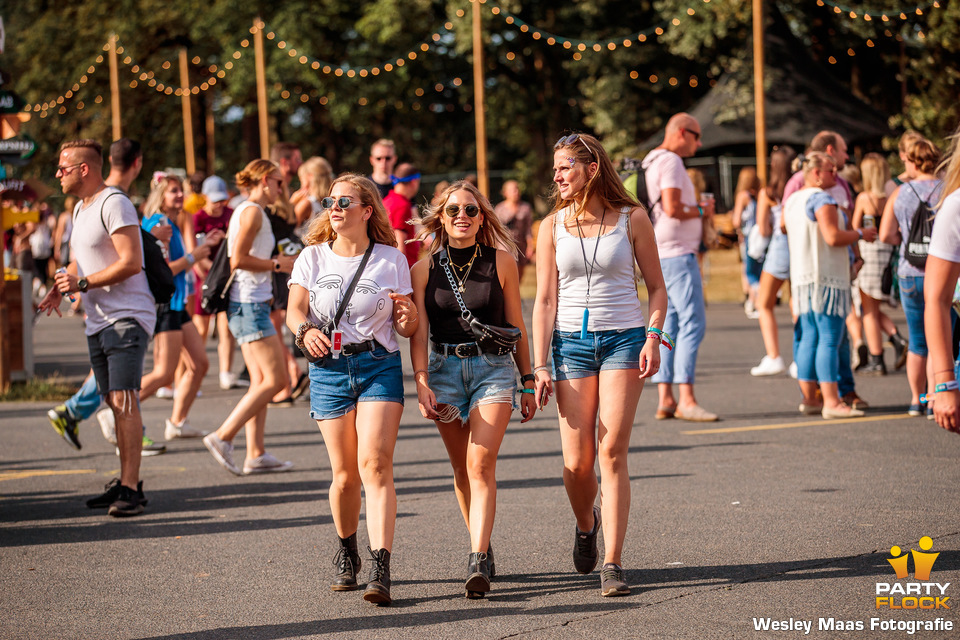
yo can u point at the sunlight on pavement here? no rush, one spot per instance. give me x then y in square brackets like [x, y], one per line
[794, 425]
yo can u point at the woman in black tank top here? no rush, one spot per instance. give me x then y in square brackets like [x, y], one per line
[467, 393]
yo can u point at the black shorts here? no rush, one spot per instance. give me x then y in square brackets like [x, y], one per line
[116, 355]
[169, 319]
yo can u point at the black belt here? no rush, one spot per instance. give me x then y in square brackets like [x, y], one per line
[463, 350]
[358, 347]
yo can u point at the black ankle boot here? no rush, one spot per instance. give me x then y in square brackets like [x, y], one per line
[874, 366]
[478, 575]
[490, 563]
[378, 586]
[347, 562]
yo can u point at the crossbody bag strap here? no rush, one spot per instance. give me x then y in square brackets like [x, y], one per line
[445, 263]
[353, 285]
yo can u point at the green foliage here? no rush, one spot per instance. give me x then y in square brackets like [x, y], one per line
[534, 91]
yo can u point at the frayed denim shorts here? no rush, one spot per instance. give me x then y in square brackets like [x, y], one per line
[250, 321]
[337, 385]
[466, 383]
[574, 357]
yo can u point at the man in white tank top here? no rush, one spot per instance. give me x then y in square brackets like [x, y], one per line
[678, 222]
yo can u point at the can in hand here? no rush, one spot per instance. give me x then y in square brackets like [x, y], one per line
[69, 295]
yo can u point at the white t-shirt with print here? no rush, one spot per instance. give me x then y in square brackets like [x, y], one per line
[92, 247]
[945, 238]
[369, 314]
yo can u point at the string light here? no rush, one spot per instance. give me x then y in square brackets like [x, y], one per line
[44, 107]
[868, 15]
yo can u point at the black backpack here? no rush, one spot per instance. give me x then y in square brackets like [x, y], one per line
[918, 237]
[215, 292]
[159, 275]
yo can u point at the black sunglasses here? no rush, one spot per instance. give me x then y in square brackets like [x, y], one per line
[453, 210]
[570, 140]
[343, 202]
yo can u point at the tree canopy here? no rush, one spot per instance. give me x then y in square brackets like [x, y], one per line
[342, 74]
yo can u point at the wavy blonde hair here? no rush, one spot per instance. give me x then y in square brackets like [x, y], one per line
[254, 172]
[875, 172]
[321, 176]
[950, 165]
[378, 226]
[158, 187]
[492, 233]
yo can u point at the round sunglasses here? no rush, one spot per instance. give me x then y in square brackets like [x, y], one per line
[452, 210]
[342, 202]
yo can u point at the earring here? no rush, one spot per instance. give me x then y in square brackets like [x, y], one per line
[819, 182]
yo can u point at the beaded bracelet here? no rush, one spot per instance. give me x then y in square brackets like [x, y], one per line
[537, 370]
[662, 336]
[302, 331]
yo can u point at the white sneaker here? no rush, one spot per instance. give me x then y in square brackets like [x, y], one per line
[227, 380]
[108, 424]
[184, 430]
[769, 367]
[222, 452]
[165, 393]
[750, 309]
[793, 370]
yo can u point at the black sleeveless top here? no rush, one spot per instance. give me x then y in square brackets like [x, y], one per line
[482, 294]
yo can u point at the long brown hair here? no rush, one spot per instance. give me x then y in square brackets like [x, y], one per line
[605, 183]
[378, 226]
[780, 160]
[492, 233]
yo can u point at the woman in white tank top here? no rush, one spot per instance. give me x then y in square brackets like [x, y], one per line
[588, 311]
[250, 243]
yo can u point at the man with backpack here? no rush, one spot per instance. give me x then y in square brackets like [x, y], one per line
[678, 221]
[108, 272]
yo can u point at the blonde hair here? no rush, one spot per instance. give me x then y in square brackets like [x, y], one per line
[378, 226]
[908, 136]
[254, 172]
[747, 180]
[951, 165]
[492, 233]
[875, 172]
[154, 201]
[698, 181]
[321, 176]
[605, 183]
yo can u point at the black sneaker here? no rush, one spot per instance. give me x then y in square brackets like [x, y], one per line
[585, 552]
[612, 582]
[899, 351]
[64, 424]
[127, 503]
[111, 493]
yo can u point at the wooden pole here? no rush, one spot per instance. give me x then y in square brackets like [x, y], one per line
[187, 112]
[759, 107]
[483, 181]
[114, 88]
[261, 88]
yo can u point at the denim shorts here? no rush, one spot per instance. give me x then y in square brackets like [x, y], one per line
[337, 385]
[466, 383]
[170, 319]
[116, 355]
[777, 261]
[250, 321]
[600, 351]
[911, 297]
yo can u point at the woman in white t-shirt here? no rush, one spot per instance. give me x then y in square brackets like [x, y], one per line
[356, 383]
[588, 314]
[941, 291]
[250, 244]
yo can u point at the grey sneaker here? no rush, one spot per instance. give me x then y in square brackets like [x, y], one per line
[222, 451]
[612, 582]
[266, 463]
[64, 424]
[173, 431]
[585, 552]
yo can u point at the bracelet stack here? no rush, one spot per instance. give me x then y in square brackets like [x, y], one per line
[662, 336]
[302, 331]
[537, 370]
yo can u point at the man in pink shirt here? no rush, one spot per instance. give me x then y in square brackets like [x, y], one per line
[399, 206]
[678, 222]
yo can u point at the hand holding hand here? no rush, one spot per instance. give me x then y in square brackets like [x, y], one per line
[404, 310]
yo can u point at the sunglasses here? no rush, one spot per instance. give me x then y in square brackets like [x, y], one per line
[696, 134]
[382, 158]
[570, 140]
[343, 202]
[453, 210]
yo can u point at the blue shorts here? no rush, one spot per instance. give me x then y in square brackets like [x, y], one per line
[600, 351]
[337, 385]
[250, 321]
[911, 297]
[466, 383]
[777, 261]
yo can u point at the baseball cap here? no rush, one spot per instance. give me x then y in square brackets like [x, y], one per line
[215, 189]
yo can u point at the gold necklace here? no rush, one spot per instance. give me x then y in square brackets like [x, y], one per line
[468, 267]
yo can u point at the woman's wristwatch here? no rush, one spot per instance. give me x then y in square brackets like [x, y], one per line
[524, 379]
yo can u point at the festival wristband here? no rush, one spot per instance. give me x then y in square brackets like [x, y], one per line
[662, 336]
[526, 390]
[946, 386]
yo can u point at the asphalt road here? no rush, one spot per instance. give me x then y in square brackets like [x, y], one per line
[764, 515]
